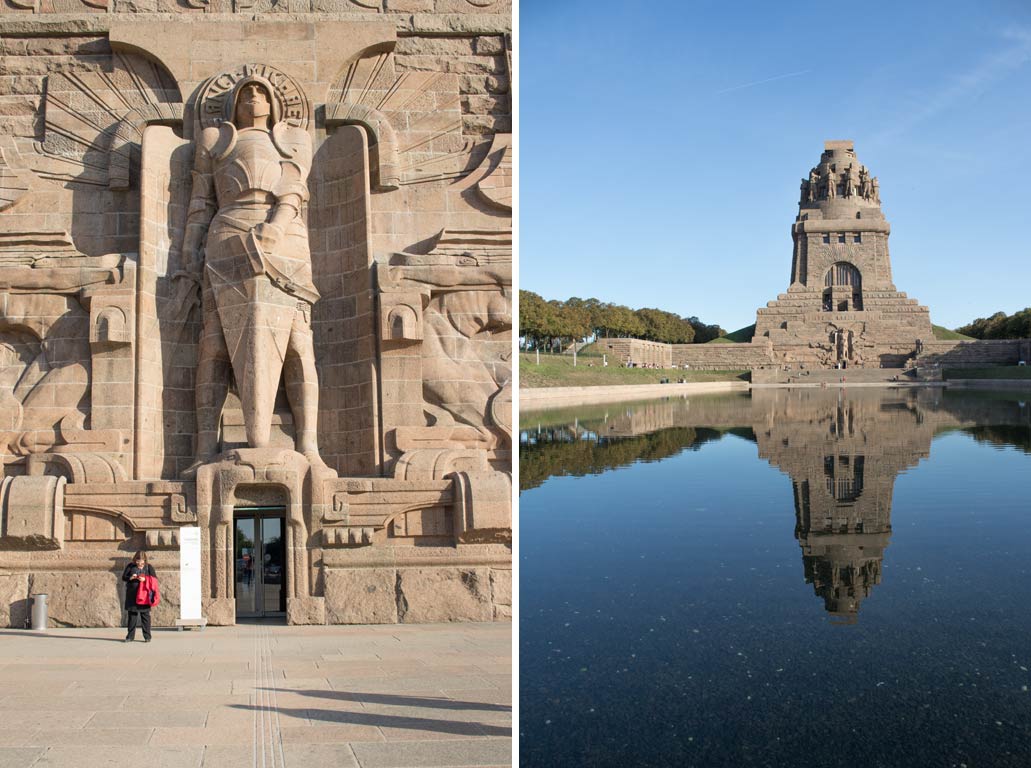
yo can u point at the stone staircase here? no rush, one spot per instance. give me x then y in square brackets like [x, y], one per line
[817, 377]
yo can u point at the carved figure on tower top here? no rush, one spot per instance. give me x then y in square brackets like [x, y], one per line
[831, 184]
[851, 181]
[244, 225]
[814, 183]
[875, 190]
[864, 183]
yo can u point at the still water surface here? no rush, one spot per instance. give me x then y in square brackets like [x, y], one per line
[787, 578]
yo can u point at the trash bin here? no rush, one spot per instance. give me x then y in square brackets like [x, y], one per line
[39, 612]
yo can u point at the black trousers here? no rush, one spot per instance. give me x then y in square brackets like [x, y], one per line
[137, 617]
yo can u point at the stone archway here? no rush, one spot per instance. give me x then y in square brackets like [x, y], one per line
[843, 288]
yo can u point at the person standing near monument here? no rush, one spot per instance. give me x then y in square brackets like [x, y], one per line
[244, 225]
[138, 614]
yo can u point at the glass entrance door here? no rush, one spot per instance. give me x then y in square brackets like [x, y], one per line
[259, 553]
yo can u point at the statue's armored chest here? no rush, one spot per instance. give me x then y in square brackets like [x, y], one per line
[252, 164]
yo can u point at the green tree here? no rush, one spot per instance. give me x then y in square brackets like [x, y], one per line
[531, 319]
[1000, 326]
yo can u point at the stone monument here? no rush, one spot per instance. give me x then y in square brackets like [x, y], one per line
[842, 308]
[256, 277]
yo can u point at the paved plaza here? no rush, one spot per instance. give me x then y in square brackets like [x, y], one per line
[258, 695]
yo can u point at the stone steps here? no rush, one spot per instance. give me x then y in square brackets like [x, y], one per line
[850, 375]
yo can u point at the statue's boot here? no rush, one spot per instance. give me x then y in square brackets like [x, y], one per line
[257, 327]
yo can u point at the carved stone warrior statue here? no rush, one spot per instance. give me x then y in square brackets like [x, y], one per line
[831, 184]
[864, 183]
[851, 181]
[244, 224]
[814, 184]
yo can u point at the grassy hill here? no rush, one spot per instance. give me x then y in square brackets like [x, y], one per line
[740, 336]
[944, 334]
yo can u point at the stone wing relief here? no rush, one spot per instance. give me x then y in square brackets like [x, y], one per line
[13, 185]
[494, 175]
[94, 121]
[414, 122]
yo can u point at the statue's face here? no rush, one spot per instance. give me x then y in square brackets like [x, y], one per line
[254, 102]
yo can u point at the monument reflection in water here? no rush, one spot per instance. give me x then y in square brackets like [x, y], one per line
[660, 621]
[842, 450]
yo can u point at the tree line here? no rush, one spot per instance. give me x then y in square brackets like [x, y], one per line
[545, 324]
[1000, 326]
[560, 452]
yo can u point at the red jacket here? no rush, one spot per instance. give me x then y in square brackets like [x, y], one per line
[148, 592]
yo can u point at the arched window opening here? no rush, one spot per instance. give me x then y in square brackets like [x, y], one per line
[843, 288]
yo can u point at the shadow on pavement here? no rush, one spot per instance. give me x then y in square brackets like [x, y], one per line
[381, 720]
[60, 635]
[401, 700]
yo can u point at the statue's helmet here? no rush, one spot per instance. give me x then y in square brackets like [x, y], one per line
[275, 106]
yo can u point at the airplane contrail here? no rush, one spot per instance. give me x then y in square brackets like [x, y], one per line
[767, 80]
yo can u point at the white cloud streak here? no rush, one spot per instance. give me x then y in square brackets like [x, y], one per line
[762, 82]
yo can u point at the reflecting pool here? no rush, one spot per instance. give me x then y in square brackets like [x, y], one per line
[791, 577]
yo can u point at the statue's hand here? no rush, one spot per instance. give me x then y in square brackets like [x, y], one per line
[190, 260]
[268, 236]
[185, 293]
[186, 275]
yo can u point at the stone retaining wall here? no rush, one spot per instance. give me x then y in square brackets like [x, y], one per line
[721, 357]
[974, 354]
[549, 397]
[732, 357]
[638, 351]
[707, 357]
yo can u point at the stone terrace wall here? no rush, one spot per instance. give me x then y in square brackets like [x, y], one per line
[639, 351]
[721, 357]
[973, 354]
[709, 357]
[733, 357]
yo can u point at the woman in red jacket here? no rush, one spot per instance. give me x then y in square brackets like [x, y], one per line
[138, 614]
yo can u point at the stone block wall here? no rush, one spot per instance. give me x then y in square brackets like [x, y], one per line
[710, 357]
[732, 357]
[721, 357]
[638, 351]
[973, 354]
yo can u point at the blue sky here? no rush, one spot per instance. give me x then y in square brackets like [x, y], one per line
[662, 144]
